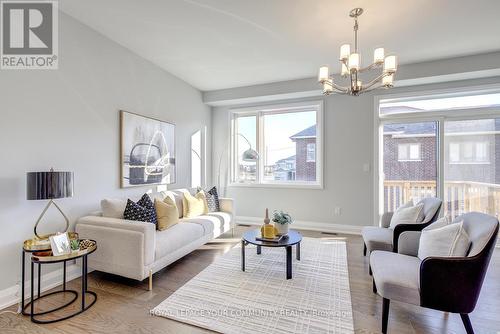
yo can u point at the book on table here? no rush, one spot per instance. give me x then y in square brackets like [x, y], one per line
[276, 239]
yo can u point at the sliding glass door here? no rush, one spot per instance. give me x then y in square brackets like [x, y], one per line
[409, 162]
[471, 175]
[445, 145]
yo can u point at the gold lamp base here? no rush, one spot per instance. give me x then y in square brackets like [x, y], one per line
[43, 237]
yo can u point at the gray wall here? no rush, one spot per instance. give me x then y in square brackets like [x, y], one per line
[68, 119]
[348, 145]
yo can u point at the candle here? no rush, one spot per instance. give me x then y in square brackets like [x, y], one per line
[354, 61]
[388, 80]
[345, 51]
[345, 70]
[327, 86]
[378, 56]
[323, 74]
[390, 64]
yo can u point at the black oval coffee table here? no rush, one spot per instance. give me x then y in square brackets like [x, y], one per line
[292, 238]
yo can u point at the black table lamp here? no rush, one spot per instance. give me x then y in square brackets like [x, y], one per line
[49, 185]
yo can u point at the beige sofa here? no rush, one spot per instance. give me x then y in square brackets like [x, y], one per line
[136, 249]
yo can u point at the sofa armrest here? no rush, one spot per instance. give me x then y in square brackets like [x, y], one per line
[408, 243]
[92, 225]
[227, 205]
[385, 221]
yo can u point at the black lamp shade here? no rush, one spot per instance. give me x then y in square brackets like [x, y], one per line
[49, 185]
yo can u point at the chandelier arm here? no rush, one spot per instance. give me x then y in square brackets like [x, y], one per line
[340, 88]
[369, 67]
[376, 80]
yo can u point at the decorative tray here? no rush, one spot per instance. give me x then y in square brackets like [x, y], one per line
[87, 246]
[37, 244]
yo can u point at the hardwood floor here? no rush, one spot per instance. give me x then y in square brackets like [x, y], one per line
[123, 305]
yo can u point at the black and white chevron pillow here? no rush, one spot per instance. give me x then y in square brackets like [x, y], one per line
[144, 213]
[213, 200]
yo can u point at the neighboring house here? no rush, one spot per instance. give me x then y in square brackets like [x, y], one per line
[471, 151]
[302, 165]
[285, 169]
[305, 148]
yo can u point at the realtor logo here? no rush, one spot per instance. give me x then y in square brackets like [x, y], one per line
[29, 34]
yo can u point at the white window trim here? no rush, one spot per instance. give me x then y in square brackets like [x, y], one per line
[434, 116]
[277, 109]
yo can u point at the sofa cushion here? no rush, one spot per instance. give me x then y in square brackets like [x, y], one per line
[113, 207]
[213, 200]
[447, 241]
[176, 237]
[134, 211]
[396, 276]
[194, 206]
[166, 213]
[377, 238]
[209, 224]
[213, 222]
[177, 197]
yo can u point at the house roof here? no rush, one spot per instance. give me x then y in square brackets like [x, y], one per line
[310, 132]
[430, 128]
[292, 157]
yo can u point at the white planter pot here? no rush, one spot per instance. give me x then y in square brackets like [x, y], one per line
[282, 228]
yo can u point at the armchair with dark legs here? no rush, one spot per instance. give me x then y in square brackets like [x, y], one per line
[449, 284]
[385, 238]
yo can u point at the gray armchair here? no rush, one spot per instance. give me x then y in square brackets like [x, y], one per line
[449, 284]
[385, 238]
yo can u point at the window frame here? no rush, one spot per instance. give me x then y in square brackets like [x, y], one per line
[259, 112]
[440, 117]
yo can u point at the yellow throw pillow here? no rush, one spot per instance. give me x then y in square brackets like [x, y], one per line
[194, 206]
[166, 213]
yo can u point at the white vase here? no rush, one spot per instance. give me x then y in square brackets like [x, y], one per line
[281, 228]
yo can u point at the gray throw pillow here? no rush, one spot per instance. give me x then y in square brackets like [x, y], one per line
[441, 222]
[407, 215]
[447, 241]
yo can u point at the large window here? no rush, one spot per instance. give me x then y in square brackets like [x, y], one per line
[444, 145]
[277, 145]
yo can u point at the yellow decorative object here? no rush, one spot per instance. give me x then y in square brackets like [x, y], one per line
[166, 212]
[267, 230]
[194, 206]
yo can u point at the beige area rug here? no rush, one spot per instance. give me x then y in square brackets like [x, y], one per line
[225, 299]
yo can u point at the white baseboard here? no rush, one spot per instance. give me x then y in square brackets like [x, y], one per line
[12, 295]
[307, 225]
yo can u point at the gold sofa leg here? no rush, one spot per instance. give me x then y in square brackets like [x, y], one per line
[151, 280]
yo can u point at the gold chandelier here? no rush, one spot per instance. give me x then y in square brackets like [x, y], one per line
[351, 68]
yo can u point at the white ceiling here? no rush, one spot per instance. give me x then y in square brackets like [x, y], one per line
[215, 44]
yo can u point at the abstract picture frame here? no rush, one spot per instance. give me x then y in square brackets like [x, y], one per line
[147, 151]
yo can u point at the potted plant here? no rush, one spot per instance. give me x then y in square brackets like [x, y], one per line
[281, 221]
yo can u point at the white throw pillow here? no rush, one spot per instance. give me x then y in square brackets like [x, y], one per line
[407, 215]
[447, 241]
[113, 208]
[441, 222]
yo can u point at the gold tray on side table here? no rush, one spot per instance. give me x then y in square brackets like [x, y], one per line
[37, 244]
